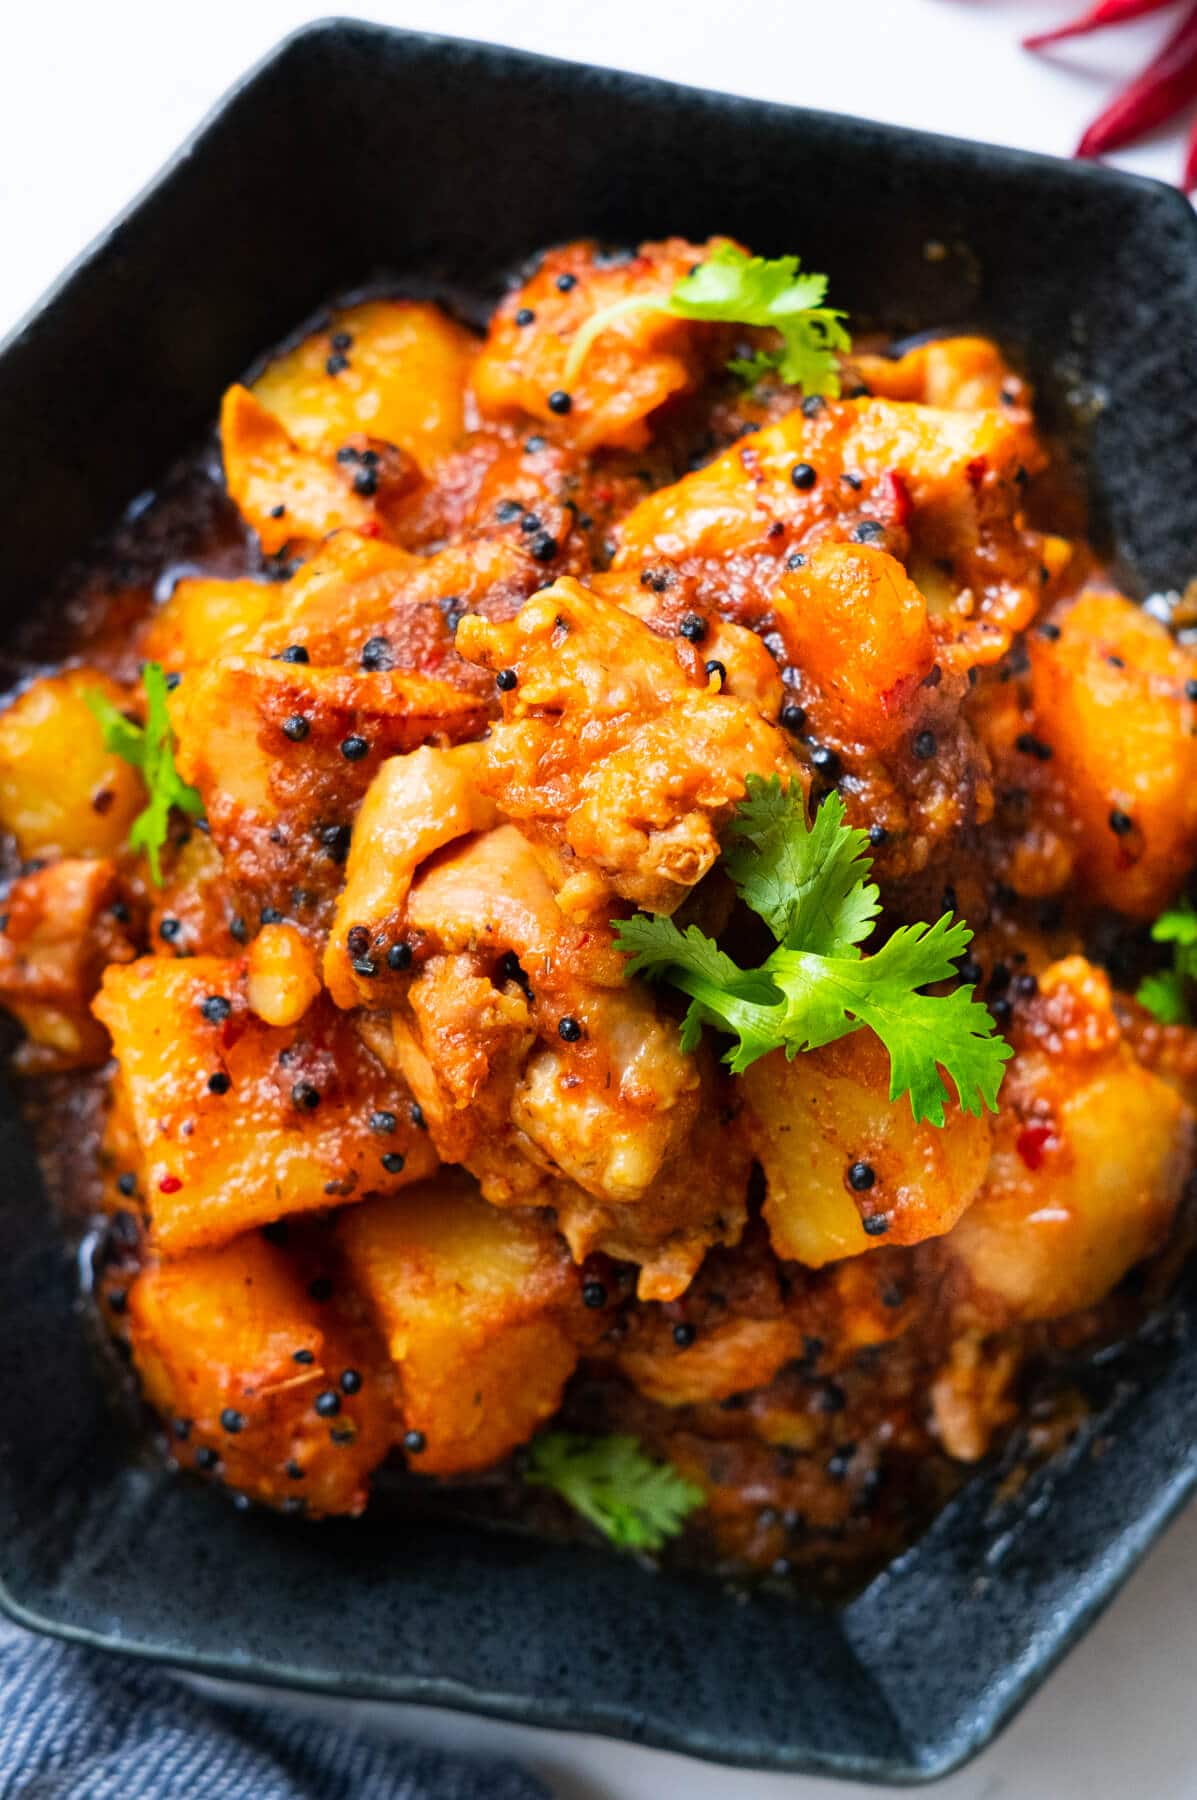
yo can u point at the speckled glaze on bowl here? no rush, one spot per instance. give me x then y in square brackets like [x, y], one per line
[354, 151]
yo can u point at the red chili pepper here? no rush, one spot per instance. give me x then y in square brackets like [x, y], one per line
[1032, 1143]
[1167, 83]
[894, 496]
[1106, 12]
[1189, 181]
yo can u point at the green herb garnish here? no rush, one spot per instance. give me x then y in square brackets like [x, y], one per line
[809, 883]
[733, 288]
[151, 749]
[636, 1503]
[1165, 993]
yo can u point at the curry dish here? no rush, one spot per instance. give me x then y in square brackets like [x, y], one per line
[598, 907]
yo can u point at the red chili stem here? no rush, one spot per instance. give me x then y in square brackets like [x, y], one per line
[1106, 12]
[1189, 179]
[1167, 83]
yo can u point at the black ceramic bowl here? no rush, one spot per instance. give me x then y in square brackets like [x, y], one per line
[355, 151]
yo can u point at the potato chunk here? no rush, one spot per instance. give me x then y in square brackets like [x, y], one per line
[481, 1310]
[403, 380]
[812, 1120]
[856, 625]
[1110, 701]
[233, 1351]
[265, 743]
[204, 619]
[61, 792]
[239, 1122]
[1090, 1157]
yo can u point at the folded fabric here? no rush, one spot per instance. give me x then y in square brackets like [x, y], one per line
[77, 1724]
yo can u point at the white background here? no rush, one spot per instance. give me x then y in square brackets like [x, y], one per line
[96, 93]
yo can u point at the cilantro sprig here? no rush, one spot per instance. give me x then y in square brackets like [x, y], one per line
[1166, 992]
[151, 749]
[810, 883]
[733, 288]
[637, 1503]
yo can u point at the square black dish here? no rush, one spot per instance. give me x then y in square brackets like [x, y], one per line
[355, 152]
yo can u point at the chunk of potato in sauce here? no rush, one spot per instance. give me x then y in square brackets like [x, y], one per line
[239, 1122]
[1110, 689]
[403, 379]
[1090, 1157]
[249, 1370]
[826, 1114]
[61, 792]
[481, 1310]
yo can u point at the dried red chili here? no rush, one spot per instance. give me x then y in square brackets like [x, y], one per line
[1106, 12]
[1168, 83]
[1165, 87]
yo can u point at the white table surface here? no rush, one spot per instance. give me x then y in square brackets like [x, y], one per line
[95, 94]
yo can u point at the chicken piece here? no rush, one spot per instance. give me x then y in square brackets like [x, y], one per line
[1090, 1157]
[610, 1136]
[545, 341]
[1113, 712]
[971, 1399]
[239, 1359]
[206, 618]
[481, 1311]
[402, 380]
[61, 925]
[616, 746]
[744, 1319]
[941, 490]
[238, 1122]
[846, 1168]
[542, 1072]
[61, 792]
[362, 600]
[288, 495]
[283, 753]
[414, 806]
[960, 374]
[730, 1334]
[750, 668]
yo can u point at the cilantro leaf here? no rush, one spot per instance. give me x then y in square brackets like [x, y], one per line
[741, 1001]
[1165, 994]
[808, 881]
[1177, 926]
[734, 288]
[150, 748]
[830, 996]
[637, 1503]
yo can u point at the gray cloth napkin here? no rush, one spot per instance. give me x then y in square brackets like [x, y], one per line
[78, 1724]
